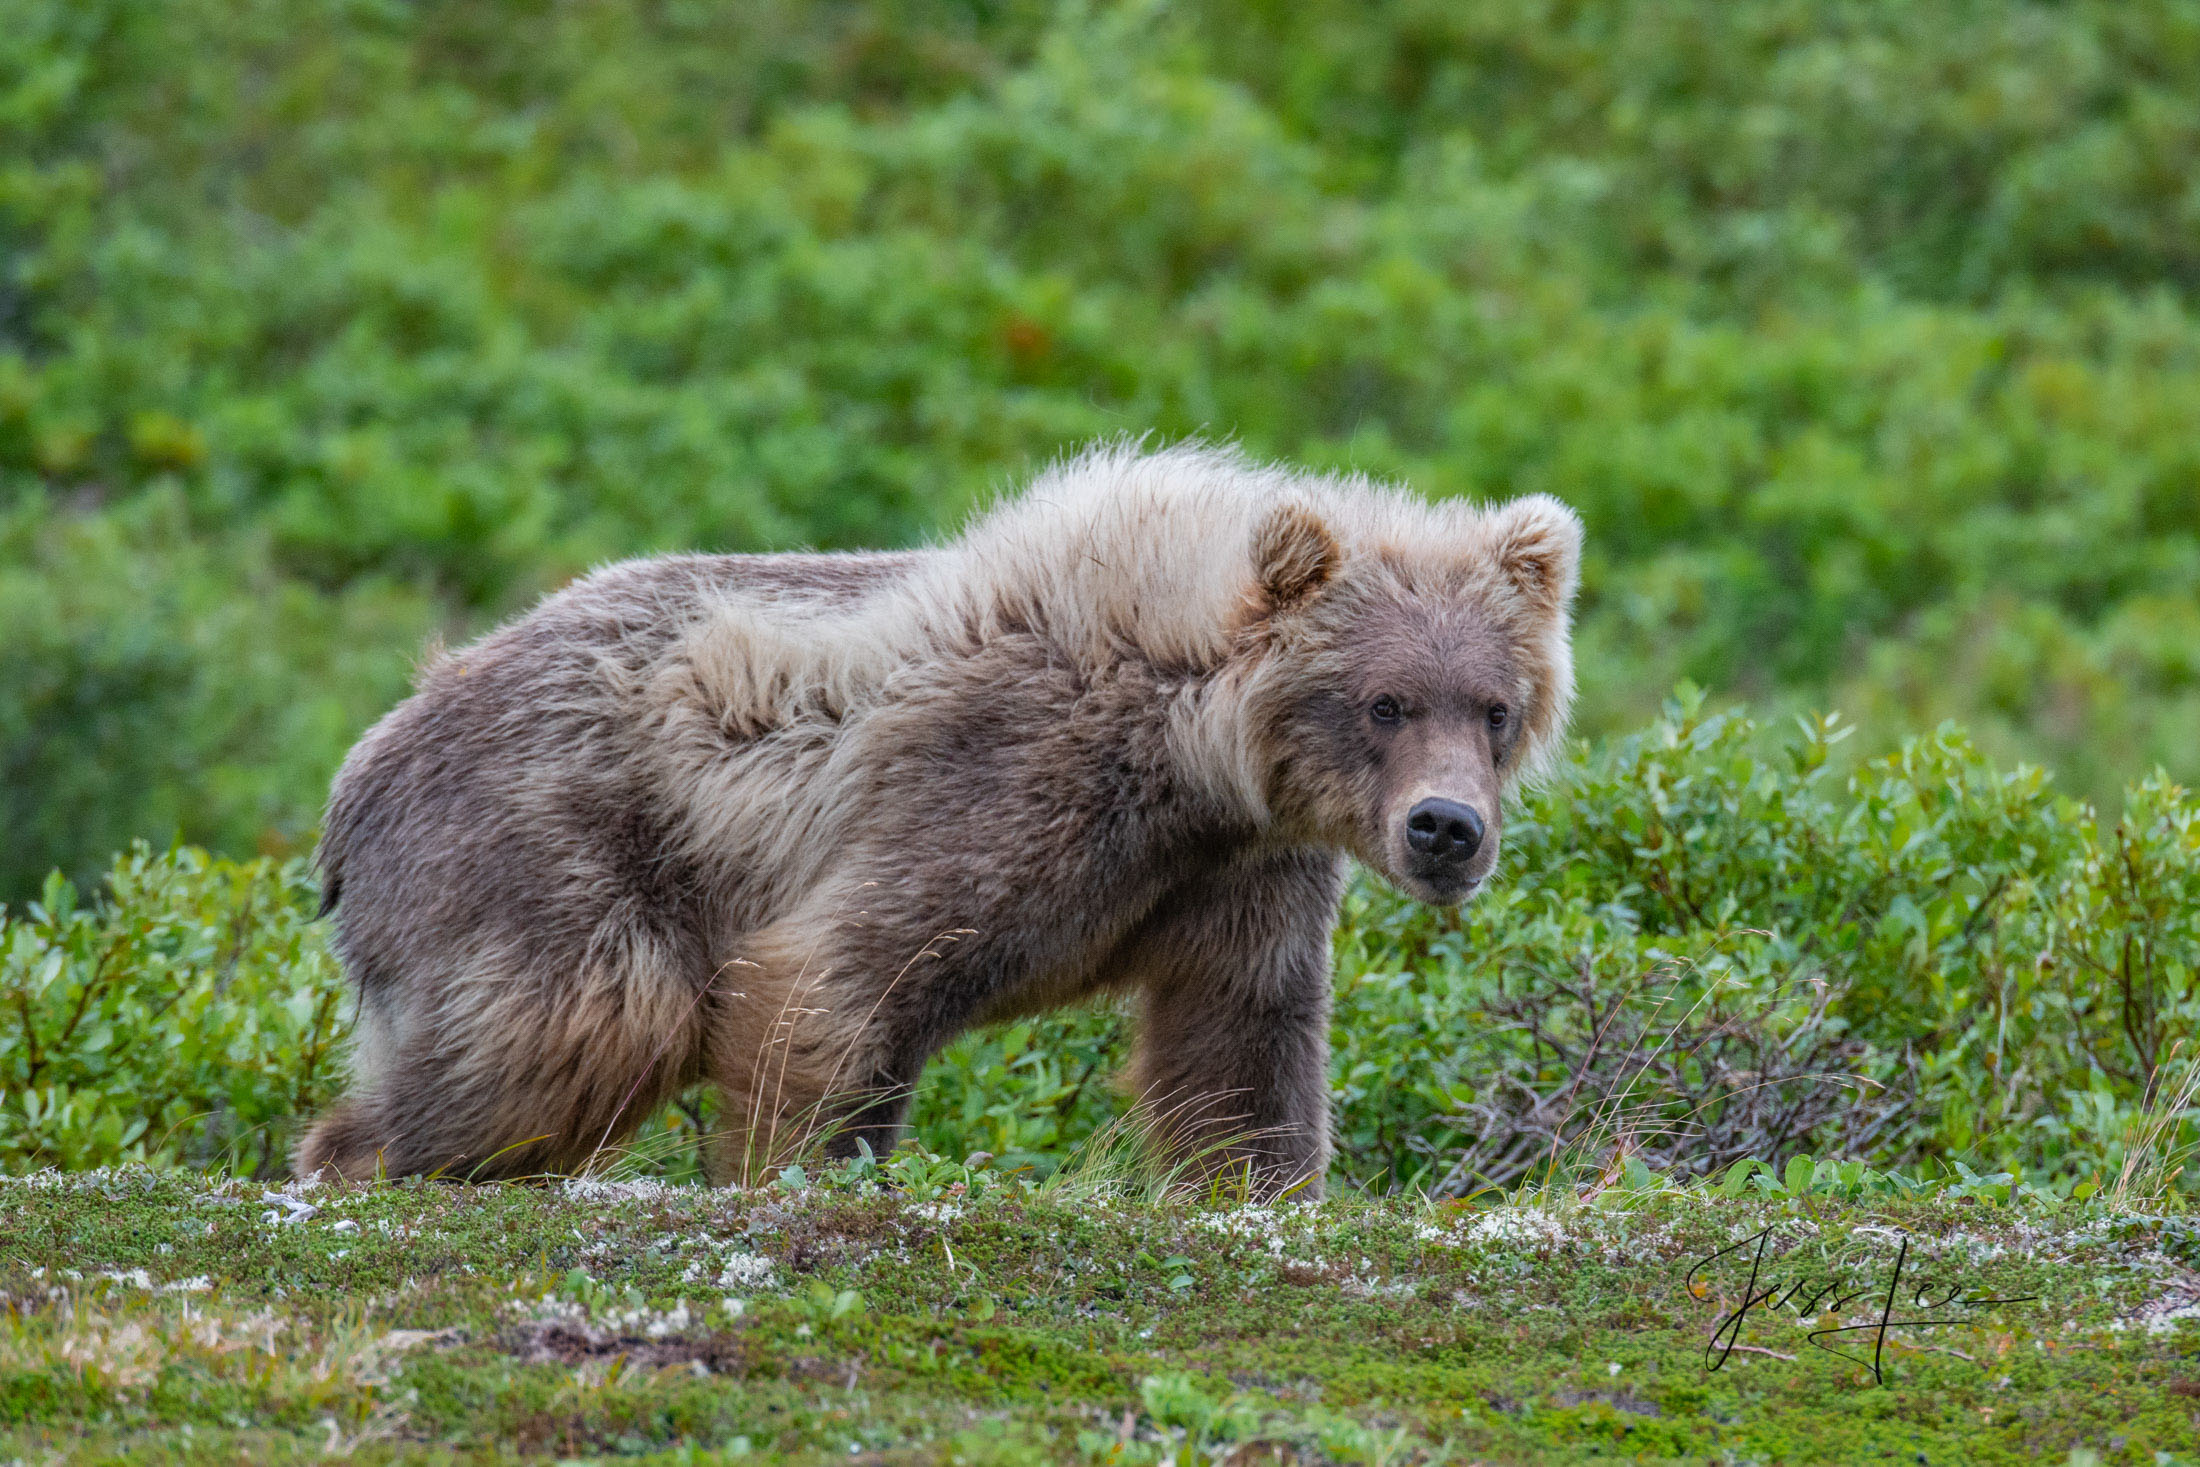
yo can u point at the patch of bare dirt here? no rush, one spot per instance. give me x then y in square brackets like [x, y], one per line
[562, 1343]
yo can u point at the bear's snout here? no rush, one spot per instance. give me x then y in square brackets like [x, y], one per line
[1444, 832]
[1442, 840]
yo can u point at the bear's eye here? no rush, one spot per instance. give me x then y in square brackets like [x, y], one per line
[1498, 715]
[1385, 710]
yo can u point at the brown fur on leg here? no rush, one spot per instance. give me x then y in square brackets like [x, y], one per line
[1232, 1068]
[343, 1142]
[515, 1082]
[800, 1056]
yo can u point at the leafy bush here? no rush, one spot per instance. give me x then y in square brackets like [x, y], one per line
[1862, 335]
[1707, 946]
[192, 1017]
[1030, 1092]
[1705, 937]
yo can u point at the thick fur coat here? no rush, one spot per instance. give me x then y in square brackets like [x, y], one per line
[789, 823]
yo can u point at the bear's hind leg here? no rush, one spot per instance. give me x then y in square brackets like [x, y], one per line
[510, 1075]
[807, 1060]
[343, 1142]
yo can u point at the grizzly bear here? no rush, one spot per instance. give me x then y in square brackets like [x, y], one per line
[787, 824]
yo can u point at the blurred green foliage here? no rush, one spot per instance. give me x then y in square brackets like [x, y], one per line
[1929, 963]
[1862, 333]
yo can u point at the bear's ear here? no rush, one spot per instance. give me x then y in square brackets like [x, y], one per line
[1537, 541]
[1294, 555]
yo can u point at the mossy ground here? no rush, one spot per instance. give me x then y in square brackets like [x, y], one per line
[155, 1316]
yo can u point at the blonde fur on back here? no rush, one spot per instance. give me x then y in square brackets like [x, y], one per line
[1110, 554]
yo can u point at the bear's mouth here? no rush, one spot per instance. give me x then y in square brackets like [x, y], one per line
[1441, 892]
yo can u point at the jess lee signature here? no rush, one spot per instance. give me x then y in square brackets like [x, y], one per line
[1810, 1295]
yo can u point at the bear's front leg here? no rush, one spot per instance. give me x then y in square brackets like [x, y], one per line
[1232, 1070]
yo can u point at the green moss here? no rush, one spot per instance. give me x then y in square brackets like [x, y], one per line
[465, 1323]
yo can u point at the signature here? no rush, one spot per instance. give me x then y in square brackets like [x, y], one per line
[1810, 1296]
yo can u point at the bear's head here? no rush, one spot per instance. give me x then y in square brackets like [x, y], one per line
[1410, 667]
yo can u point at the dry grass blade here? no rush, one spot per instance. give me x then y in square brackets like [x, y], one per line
[2155, 1151]
[1139, 1156]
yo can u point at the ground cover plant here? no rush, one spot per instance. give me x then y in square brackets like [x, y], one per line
[1862, 334]
[930, 1311]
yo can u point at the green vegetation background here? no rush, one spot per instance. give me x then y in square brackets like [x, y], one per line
[1863, 334]
[1710, 948]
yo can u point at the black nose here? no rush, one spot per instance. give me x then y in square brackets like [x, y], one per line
[1444, 829]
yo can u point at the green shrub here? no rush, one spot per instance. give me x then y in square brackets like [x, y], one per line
[1030, 1092]
[191, 1017]
[1863, 335]
[1706, 945]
